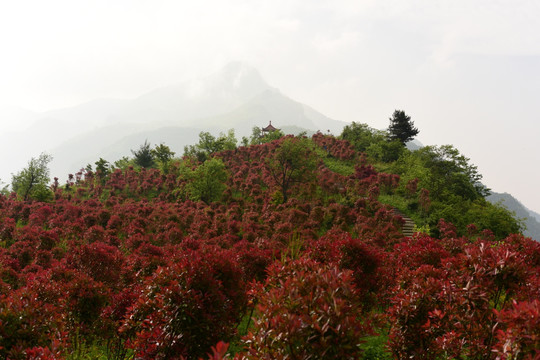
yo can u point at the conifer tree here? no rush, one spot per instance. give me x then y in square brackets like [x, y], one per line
[144, 156]
[401, 127]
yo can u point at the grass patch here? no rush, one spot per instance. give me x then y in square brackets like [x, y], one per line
[246, 323]
[339, 166]
[375, 348]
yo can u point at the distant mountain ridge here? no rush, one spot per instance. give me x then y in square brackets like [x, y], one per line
[272, 105]
[530, 219]
[535, 215]
[235, 97]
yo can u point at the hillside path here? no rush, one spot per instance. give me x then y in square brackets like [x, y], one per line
[408, 226]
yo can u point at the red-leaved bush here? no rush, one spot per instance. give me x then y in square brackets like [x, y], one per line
[306, 310]
[27, 322]
[185, 308]
[449, 311]
[519, 336]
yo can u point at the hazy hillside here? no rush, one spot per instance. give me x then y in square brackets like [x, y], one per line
[77, 152]
[272, 105]
[16, 119]
[234, 97]
[535, 215]
[530, 219]
[115, 148]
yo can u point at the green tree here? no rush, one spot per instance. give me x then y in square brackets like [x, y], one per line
[207, 181]
[144, 156]
[451, 173]
[377, 144]
[386, 151]
[163, 154]
[209, 145]
[455, 191]
[361, 136]
[123, 163]
[274, 135]
[256, 135]
[4, 188]
[401, 127]
[294, 161]
[103, 168]
[495, 217]
[32, 181]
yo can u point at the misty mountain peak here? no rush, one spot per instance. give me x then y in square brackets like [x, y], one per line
[217, 93]
[239, 78]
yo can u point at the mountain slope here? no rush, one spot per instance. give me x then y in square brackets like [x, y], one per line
[235, 97]
[114, 149]
[272, 105]
[181, 104]
[532, 224]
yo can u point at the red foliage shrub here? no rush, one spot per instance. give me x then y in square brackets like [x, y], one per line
[253, 260]
[104, 263]
[145, 260]
[449, 312]
[9, 275]
[425, 201]
[519, 337]
[340, 149]
[44, 353]
[27, 322]
[84, 300]
[372, 271]
[94, 233]
[111, 320]
[39, 216]
[186, 307]
[420, 250]
[373, 268]
[412, 186]
[7, 227]
[364, 172]
[306, 308]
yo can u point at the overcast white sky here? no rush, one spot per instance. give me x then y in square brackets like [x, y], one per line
[468, 72]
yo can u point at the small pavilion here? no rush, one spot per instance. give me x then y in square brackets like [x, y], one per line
[268, 129]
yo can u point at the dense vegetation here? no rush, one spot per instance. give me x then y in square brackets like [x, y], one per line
[287, 248]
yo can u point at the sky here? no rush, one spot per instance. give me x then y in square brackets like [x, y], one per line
[467, 72]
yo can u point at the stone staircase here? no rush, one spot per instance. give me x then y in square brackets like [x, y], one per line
[408, 226]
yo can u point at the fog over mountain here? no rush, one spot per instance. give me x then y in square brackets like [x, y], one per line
[235, 97]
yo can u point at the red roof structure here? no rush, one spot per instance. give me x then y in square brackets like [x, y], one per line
[269, 128]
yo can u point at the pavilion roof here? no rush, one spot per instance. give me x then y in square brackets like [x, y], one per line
[269, 128]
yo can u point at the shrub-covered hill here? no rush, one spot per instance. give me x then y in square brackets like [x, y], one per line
[277, 250]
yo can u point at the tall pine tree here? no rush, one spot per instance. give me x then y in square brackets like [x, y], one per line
[401, 127]
[144, 156]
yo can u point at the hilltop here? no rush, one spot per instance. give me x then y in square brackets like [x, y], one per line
[282, 245]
